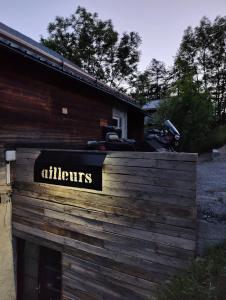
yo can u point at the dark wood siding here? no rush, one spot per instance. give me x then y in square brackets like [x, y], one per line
[32, 97]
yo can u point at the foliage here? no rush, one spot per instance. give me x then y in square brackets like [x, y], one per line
[203, 53]
[214, 139]
[206, 280]
[190, 112]
[152, 83]
[95, 46]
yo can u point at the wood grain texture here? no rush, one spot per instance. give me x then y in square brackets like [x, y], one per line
[119, 243]
[32, 97]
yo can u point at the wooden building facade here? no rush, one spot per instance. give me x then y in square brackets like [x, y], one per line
[46, 100]
[119, 242]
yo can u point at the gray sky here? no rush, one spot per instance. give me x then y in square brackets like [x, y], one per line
[160, 23]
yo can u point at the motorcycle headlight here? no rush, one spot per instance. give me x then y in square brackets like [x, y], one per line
[177, 137]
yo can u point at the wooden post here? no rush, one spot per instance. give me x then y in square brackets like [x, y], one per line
[7, 284]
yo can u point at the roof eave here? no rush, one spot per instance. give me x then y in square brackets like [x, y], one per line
[14, 41]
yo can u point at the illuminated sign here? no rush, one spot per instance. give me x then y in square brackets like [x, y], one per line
[70, 168]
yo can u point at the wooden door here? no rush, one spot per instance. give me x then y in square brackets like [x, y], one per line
[49, 274]
[38, 272]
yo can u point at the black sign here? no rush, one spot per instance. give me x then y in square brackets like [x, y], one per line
[70, 168]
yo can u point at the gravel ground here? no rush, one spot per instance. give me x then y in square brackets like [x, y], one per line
[211, 199]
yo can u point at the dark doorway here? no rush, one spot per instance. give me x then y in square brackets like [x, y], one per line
[38, 272]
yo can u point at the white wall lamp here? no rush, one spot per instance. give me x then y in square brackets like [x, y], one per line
[10, 155]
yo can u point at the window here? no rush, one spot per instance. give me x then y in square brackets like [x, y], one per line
[120, 117]
[118, 121]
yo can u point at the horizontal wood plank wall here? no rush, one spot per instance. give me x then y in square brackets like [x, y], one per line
[32, 98]
[119, 243]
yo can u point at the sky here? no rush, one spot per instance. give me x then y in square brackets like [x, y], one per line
[160, 23]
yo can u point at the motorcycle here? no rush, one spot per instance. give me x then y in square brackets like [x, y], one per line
[166, 139]
[112, 141]
[155, 140]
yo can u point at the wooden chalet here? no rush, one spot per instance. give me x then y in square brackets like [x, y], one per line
[87, 225]
[48, 101]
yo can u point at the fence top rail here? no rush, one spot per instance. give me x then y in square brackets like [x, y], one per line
[120, 154]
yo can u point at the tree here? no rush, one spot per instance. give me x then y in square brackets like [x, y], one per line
[190, 111]
[95, 46]
[158, 79]
[202, 53]
[152, 83]
[141, 87]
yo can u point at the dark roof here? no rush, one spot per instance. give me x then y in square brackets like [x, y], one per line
[38, 52]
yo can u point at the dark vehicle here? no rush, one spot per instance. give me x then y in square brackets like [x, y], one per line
[112, 141]
[155, 140]
[165, 139]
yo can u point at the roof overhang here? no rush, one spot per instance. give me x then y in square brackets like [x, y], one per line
[33, 50]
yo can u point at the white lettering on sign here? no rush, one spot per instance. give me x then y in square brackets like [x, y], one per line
[56, 173]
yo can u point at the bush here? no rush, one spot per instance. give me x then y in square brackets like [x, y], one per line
[215, 138]
[191, 112]
[206, 280]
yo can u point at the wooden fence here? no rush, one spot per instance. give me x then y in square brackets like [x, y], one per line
[119, 243]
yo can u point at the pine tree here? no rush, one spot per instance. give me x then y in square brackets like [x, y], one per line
[202, 54]
[151, 84]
